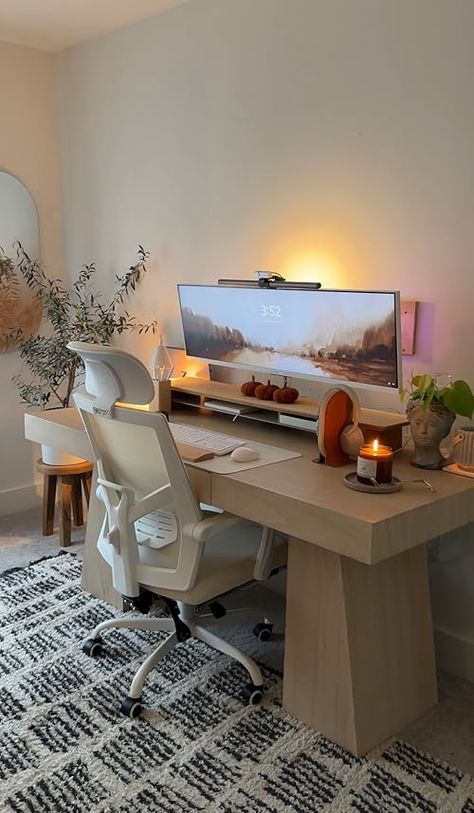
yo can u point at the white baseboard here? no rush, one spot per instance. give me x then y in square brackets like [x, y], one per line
[454, 654]
[19, 499]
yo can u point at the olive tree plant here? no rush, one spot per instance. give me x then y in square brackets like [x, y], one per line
[78, 313]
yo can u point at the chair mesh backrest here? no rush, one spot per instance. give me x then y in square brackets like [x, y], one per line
[134, 449]
[143, 458]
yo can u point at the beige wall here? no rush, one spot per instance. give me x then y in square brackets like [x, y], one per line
[315, 137]
[29, 150]
[324, 138]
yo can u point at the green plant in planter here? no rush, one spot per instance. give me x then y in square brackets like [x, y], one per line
[77, 313]
[431, 409]
[428, 390]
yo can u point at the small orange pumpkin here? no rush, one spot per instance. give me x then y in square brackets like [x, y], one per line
[265, 391]
[249, 387]
[285, 395]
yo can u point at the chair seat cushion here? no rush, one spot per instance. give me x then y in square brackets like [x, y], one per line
[228, 562]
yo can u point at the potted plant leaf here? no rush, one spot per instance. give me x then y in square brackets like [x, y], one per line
[434, 401]
[76, 313]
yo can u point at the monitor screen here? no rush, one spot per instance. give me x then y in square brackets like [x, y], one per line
[350, 336]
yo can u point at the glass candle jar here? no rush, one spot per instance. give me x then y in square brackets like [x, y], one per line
[374, 462]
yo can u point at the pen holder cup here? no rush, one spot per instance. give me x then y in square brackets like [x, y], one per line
[162, 399]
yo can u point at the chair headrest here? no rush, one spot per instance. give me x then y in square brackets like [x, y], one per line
[113, 375]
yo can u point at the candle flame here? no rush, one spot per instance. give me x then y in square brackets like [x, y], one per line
[375, 445]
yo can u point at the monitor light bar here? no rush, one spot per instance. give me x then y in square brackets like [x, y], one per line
[272, 281]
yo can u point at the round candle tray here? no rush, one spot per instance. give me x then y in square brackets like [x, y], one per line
[351, 481]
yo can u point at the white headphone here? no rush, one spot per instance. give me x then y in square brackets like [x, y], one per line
[351, 437]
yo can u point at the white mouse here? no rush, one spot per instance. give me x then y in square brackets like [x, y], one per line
[244, 454]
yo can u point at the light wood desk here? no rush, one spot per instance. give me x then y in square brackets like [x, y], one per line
[359, 657]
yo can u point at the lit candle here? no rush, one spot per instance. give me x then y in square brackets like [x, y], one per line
[374, 462]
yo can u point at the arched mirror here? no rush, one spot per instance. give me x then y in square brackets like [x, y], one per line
[19, 311]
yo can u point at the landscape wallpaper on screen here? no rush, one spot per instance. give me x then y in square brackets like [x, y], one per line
[348, 335]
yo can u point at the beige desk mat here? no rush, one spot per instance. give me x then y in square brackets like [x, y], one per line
[225, 464]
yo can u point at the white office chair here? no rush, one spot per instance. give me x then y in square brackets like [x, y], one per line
[154, 536]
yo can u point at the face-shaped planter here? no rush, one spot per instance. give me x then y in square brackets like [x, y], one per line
[428, 425]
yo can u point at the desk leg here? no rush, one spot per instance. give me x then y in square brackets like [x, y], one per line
[96, 573]
[359, 655]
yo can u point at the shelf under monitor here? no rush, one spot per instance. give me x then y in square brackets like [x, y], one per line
[200, 393]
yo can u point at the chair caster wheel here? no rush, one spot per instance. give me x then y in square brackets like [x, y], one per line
[252, 694]
[93, 647]
[263, 631]
[131, 707]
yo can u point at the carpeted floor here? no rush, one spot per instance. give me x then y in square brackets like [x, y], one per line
[65, 747]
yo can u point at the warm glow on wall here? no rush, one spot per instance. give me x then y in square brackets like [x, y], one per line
[196, 369]
[313, 266]
[319, 250]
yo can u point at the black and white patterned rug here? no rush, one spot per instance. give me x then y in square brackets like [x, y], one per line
[65, 747]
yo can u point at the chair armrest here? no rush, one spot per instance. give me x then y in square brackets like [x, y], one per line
[207, 528]
[153, 501]
[101, 481]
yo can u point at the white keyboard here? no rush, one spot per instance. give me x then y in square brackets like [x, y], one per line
[211, 441]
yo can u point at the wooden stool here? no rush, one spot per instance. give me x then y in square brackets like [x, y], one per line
[70, 478]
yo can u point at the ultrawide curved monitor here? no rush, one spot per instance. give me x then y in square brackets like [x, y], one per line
[345, 336]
